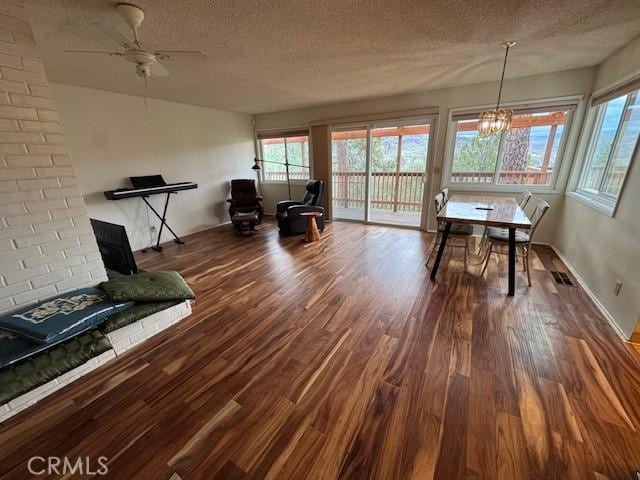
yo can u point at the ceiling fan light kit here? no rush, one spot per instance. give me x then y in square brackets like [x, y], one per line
[147, 63]
[497, 120]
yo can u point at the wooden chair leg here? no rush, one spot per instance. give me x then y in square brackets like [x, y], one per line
[486, 262]
[526, 261]
[466, 253]
[484, 255]
[433, 250]
[482, 251]
[483, 240]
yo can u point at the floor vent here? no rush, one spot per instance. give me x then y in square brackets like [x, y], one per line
[562, 278]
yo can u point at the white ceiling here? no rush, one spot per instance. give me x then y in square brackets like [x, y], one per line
[270, 55]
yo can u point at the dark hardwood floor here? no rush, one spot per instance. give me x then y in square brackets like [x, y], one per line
[340, 359]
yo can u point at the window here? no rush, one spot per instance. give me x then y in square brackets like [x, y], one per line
[612, 146]
[529, 153]
[278, 149]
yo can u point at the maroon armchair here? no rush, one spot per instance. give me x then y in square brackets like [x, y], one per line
[244, 201]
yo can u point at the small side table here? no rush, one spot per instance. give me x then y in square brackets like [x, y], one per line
[312, 234]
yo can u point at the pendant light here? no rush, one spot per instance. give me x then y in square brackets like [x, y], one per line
[498, 120]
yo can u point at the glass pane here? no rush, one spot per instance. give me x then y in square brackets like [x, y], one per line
[531, 147]
[273, 151]
[474, 157]
[398, 163]
[298, 154]
[625, 146]
[414, 151]
[599, 155]
[348, 166]
[273, 154]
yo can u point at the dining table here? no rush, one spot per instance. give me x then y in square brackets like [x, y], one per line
[490, 211]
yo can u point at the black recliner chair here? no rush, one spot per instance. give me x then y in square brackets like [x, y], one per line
[288, 212]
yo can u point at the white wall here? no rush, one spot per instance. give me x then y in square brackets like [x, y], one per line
[46, 244]
[621, 64]
[112, 136]
[558, 84]
[604, 249]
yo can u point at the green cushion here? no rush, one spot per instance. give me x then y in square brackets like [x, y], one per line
[24, 376]
[135, 313]
[148, 287]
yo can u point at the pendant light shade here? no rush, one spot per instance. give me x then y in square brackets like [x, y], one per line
[497, 120]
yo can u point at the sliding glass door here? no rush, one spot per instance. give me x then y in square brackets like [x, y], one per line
[349, 152]
[379, 172]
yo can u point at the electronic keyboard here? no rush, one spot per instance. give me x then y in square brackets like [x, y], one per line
[119, 193]
[148, 185]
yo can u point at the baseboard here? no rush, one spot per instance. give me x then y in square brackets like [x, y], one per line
[204, 229]
[605, 313]
[169, 242]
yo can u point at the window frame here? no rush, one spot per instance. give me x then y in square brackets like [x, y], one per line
[284, 133]
[562, 163]
[601, 201]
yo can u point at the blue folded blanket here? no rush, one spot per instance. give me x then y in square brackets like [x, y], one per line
[62, 317]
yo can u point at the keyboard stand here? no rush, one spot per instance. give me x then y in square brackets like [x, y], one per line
[163, 222]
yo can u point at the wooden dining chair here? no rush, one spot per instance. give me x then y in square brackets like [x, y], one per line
[524, 200]
[500, 236]
[462, 231]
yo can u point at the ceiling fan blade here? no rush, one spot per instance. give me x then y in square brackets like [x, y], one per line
[95, 51]
[181, 56]
[115, 35]
[159, 70]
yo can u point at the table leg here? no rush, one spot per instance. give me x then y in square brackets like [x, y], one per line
[443, 241]
[512, 261]
[312, 234]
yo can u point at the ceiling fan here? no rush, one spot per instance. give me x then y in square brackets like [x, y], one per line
[147, 62]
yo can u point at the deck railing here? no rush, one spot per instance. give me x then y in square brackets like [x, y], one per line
[518, 177]
[389, 190]
[403, 191]
[282, 176]
[613, 183]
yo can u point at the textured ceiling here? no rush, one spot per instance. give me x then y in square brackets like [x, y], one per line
[270, 55]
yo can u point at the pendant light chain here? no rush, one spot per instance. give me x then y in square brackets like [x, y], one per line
[504, 68]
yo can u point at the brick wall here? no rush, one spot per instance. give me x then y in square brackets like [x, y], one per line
[46, 242]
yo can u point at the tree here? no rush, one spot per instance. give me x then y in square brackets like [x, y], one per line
[516, 150]
[476, 153]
